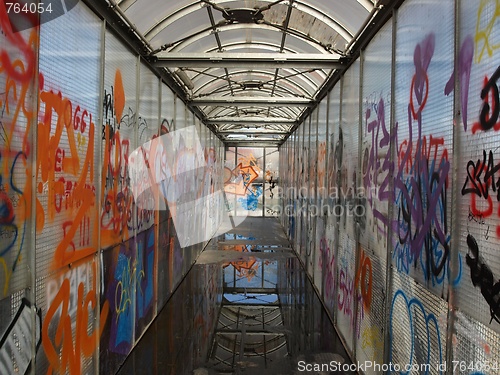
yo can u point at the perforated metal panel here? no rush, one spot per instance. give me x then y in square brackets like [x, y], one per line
[478, 174]
[417, 327]
[476, 346]
[68, 140]
[67, 178]
[118, 218]
[18, 100]
[67, 299]
[374, 198]
[424, 114]
[347, 158]
[313, 209]
[148, 127]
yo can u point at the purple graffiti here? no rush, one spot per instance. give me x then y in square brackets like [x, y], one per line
[421, 186]
[464, 69]
[381, 142]
[422, 59]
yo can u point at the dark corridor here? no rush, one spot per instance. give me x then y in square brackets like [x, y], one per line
[245, 307]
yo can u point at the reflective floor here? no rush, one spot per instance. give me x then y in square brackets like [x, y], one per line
[246, 307]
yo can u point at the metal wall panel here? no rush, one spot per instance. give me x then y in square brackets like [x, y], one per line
[329, 246]
[272, 180]
[424, 114]
[18, 122]
[148, 128]
[477, 295]
[119, 121]
[347, 157]
[67, 170]
[374, 197]
[312, 177]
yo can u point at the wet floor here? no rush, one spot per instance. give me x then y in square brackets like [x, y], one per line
[246, 307]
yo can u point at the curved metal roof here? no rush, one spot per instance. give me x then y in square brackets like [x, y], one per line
[250, 68]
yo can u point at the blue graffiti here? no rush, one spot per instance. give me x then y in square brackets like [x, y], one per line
[121, 295]
[8, 227]
[145, 287]
[250, 202]
[431, 324]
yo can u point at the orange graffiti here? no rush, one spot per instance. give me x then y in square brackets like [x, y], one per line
[246, 268]
[364, 273]
[64, 351]
[119, 93]
[17, 116]
[82, 195]
[240, 188]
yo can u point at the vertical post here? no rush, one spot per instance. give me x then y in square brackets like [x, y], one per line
[357, 235]
[31, 292]
[99, 263]
[390, 213]
[455, 211]
[337, 226]
[264, 185]
[326, 185]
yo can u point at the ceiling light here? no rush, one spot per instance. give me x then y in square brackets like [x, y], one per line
[243, 15]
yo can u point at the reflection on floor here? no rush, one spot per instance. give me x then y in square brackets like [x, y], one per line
[246, 307]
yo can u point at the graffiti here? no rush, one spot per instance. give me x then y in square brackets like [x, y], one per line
[131, 289]
[321, 164]
[421, 186]
[66, 338]
[18, 65]
[145, 283]
[328, 271]
[251, 201]
[482, 183]
[118, 203]
[371, 340]
[488, 116]
[238, 180]
[464, 71]
[14, 353]
[364, 280]
[166, 126]
[482, 277]
[378, 167]
[426, 347]
[246, 268]
[486, 21]
[272, 183]
[480, 220]
[78, 195]
[346, 296]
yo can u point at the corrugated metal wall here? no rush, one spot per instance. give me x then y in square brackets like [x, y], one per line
[85, 268]
[407, 233]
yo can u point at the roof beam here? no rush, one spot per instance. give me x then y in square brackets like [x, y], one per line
[256, 143]
[248, 60]
[264, 101]
[239, 132]
[250, 121]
